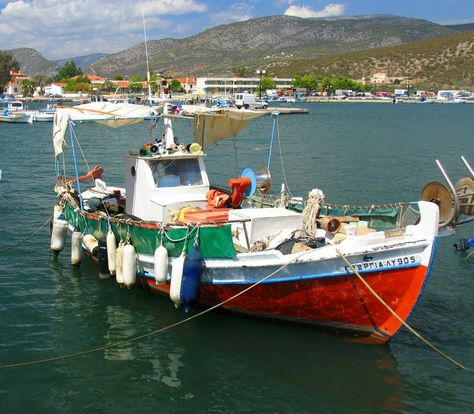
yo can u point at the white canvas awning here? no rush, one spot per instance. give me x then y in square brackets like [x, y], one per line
[109, 114]
[209, 129]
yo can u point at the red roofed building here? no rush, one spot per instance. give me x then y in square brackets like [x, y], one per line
[188, 84]
[93, 78]
[96, 81]
[123, 84]
[13, 87]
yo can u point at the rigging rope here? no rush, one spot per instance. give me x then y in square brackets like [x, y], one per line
[80, 148]
[25, 238]
[405, 324]
[156, 332]
[281, 160]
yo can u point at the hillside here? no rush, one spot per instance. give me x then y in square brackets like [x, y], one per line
[445, 62]
[461, 27]
[131, 61]
[251, 42]
[83, 62]
[33, 63]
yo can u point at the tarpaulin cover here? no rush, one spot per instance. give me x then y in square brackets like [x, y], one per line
[215, 242]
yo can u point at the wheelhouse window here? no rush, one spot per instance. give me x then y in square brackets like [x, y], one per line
[176, 172]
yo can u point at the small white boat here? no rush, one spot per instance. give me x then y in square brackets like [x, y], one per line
[15, 117]
[43, 116]
[454, 101]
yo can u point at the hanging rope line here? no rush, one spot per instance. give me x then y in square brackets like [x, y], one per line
[281, 159]
[25, 238]
[156, 332]
[405, 324]
[80, 148]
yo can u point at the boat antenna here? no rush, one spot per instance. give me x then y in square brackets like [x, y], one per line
[147, 64]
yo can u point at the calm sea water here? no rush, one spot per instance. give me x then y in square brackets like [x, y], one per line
[355, 153]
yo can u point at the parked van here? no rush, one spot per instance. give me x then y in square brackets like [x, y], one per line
[249, 101]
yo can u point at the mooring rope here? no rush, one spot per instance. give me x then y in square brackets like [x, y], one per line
[405, 324]
[156, 332]
[469, 255]
[26, 238]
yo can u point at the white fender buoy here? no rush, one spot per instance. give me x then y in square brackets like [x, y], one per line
[111, 249]
[129, 265]
[91, 244]
[119, 263]
[176, 277]
[58, 234]
[161, 264]
[57, 211]
[76, 248]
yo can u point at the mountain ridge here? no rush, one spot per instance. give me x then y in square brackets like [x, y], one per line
[249, 42]
[285, 46]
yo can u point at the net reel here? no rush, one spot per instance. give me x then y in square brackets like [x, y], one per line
[452, 200]
[260, 179]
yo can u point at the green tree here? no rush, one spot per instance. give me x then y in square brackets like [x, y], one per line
[308, 82]
[326, 85]
[296, 82]
[117, 76]
[136, 85]
[41, 81]
[107, 86]
[239, 71]
[7, 64]
[28, 87]
[68, 71]
[266, 83]
[175, 85]
[153, 83]
[81, 84]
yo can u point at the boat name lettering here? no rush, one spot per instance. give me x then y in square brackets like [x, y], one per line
[379, 264]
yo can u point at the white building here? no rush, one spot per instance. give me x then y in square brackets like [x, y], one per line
[14, 87]
[55, 89]
[379, 77]
[231, 86]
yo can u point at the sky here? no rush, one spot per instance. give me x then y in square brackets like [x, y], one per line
[67, 28]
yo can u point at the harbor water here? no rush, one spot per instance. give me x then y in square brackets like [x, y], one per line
[220, 363]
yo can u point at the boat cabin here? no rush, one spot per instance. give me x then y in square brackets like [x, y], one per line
[159, 186]
[15, 106]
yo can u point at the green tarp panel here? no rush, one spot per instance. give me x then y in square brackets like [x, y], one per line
[215, 242]
[378, 218]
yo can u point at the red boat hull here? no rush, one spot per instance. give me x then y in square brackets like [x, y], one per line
[339, 302]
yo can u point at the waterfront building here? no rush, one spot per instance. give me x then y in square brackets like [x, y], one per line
[96, 81]
[231, 85]
[188, 85]
[55, 89]
[13, 87]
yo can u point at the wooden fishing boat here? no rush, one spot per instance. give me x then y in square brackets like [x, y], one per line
[170, 231]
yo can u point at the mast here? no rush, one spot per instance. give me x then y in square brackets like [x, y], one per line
[147, 64]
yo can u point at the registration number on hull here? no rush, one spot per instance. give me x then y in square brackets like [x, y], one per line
[384, 263]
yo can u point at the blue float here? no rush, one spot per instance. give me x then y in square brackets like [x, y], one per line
[191, 281]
